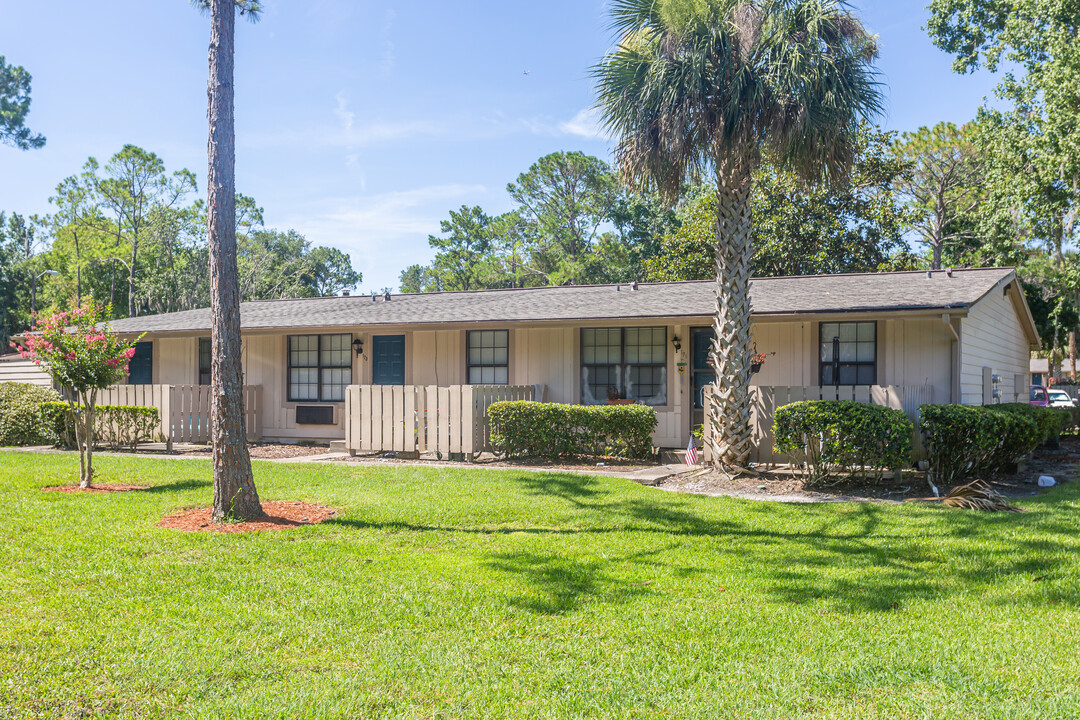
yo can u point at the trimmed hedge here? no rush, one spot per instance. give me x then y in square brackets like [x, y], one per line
[522, 428]
[116, 426]
[826, 436]
[23, 418]
[970, 440]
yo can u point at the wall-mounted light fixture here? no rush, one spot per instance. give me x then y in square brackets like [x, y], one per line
[358, 346]
[677, 343]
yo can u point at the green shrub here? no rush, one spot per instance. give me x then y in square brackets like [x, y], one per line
[115, 426]
[23, 419]
[826, 436]
[521, 428]
[965, 440]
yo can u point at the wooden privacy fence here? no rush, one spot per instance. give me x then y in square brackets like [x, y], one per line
[189, 413]
[184, 409]
[424, 418]
[766, 399]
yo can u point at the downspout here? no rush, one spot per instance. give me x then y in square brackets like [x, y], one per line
[954, 377]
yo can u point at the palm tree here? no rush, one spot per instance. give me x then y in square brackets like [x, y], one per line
[698, 86]
[235, 496]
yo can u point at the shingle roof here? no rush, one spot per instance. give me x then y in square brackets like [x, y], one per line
[771, 296]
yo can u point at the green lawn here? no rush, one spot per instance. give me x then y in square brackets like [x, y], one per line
[445, 593]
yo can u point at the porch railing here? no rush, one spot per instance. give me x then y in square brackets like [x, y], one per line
[766, 399]
[424, 418]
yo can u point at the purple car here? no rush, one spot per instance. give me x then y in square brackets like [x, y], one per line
[1039, 396]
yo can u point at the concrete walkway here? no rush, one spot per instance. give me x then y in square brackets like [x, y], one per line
[649, 475]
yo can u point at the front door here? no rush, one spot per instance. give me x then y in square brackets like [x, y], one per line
[701, 371]
[388, 360]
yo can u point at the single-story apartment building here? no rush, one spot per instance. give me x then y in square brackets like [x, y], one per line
[961, 336]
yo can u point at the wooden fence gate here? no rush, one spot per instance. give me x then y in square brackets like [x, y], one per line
[424, 418]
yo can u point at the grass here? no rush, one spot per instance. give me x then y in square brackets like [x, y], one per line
[446, 593]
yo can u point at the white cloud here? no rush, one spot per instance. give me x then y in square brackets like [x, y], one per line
[382, 233]
[586, 123]
[386, 61]
[346, 116]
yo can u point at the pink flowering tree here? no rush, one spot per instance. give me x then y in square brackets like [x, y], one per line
[83, 355]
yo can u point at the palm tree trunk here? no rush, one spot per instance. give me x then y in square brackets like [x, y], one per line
[234, 487]
[729, 411]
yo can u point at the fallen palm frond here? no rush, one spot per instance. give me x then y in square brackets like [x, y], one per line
[975, 496]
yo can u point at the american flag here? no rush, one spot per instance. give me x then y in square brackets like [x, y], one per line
[691, 452]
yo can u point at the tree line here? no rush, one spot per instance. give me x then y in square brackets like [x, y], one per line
[943, 196]
[131, 233]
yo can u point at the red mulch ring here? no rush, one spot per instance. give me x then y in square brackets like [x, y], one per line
[96, 488]
[280, 515]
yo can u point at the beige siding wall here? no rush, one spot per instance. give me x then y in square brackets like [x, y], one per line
[993, 337]
[23, 371]
[914, 351]
[910, 352]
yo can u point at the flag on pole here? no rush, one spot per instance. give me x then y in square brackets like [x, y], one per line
[691, 452]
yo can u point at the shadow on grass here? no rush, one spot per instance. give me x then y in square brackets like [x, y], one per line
[178, 486]
[853, 558]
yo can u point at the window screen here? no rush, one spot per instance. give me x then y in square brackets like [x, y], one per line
[848, 353]
[320, 367]
[628, 362]
[489, 352]
[204, 361]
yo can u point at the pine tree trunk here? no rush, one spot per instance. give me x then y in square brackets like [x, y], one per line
[131, 276]
[235, 496]
[729, 411]
[1072, 354]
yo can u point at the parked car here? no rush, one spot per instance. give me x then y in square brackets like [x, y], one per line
[1060, 398]
[1039, 396]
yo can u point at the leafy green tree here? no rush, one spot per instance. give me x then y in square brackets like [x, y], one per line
[14, 107]
[133, 187]
[463, 257]
[15, 247]
[564, 199]
[418, 278]
[854, 223]
[697, 85]
[944, 185]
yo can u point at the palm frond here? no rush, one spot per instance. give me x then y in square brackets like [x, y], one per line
[692, 83]
[251, 9]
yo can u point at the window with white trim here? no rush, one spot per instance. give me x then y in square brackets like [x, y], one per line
[624, 362]
[320, 367]
[848, 353]
[488, 357]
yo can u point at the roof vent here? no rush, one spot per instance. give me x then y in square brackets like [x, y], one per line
[386, 297]
[344, 293]
[948, 272]
[929, 274]
[618, 288]
[372, 296]
[633, 285]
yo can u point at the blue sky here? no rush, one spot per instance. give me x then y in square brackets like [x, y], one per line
[361, 123]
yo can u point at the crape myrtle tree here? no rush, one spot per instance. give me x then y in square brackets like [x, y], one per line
[235, 496]
[698, 86]
[82, 355]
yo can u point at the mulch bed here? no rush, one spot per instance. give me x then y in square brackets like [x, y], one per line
[272, 451]
[1060, 462]
[96, 488]
[280, 515]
